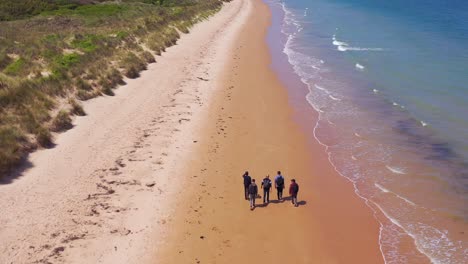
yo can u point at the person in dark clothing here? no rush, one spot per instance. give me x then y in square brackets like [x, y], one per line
[266, 185]
[293, 190]
[279, 185]
[253, 192]
[247, 182]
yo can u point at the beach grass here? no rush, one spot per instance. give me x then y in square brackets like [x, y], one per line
[55, 53]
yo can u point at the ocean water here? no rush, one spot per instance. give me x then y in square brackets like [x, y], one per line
[389, 80]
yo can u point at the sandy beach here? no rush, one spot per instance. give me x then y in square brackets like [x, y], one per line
[252, 128]
[153, 174]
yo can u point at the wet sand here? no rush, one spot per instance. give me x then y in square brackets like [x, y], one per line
[251, 127]
[153, 174]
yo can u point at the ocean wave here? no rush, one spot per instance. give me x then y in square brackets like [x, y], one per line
[339, 43]
[395, 170]
[321, 88]
[344, 46]
[359, 66]
[309, 74]
[430, 241]
[380, 187]
[334, 98]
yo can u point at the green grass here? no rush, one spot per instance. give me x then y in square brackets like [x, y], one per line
[66, 61]
[56, 49]
[87, 43]
[15, 67]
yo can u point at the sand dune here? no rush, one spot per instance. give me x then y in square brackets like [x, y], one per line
[105, 192]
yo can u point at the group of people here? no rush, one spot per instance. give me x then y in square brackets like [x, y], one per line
[251, 189]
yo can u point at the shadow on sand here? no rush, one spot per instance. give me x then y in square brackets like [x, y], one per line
[24, 165]
[16, 173]
[285, 199]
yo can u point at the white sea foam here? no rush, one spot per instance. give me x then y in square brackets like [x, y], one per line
[395, 104]
[381, 188]
[321, 88]
[359, 66]
[427, 239]
[399, 196]
[356, 134]
[322, 61]
[430, 246]
[339, 43]
[375, 91]
[334, 98]
[344, 46]
[423, 123]
[354, 158]
[395, 170]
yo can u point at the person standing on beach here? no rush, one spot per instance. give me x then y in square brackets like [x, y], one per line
[293, 190]
[253, 192]
[247, 182]
[279, 185]
[266, 185]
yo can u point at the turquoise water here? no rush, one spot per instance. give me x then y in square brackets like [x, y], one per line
[389, 80]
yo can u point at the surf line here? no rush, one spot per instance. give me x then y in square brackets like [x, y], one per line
[395, 170]
[380, 187]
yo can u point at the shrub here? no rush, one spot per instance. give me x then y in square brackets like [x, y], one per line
[84, 95]
[132, 72]
[115, 77]
[83, 85]
[62, 121]
[12, 147]
[108, 91]
[76, 108]
[132, 65]
[148, 57]
[28, 121]
[4, 60]
[44, 138]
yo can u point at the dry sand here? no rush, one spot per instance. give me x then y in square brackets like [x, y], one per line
[251, 128]
[106, 191]
[153, 175]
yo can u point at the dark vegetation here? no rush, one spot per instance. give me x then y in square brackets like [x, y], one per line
[54, 53]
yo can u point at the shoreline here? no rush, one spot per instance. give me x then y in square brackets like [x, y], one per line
[253, 127]
[399, 238]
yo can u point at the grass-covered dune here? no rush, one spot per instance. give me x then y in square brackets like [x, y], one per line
[56, 53]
